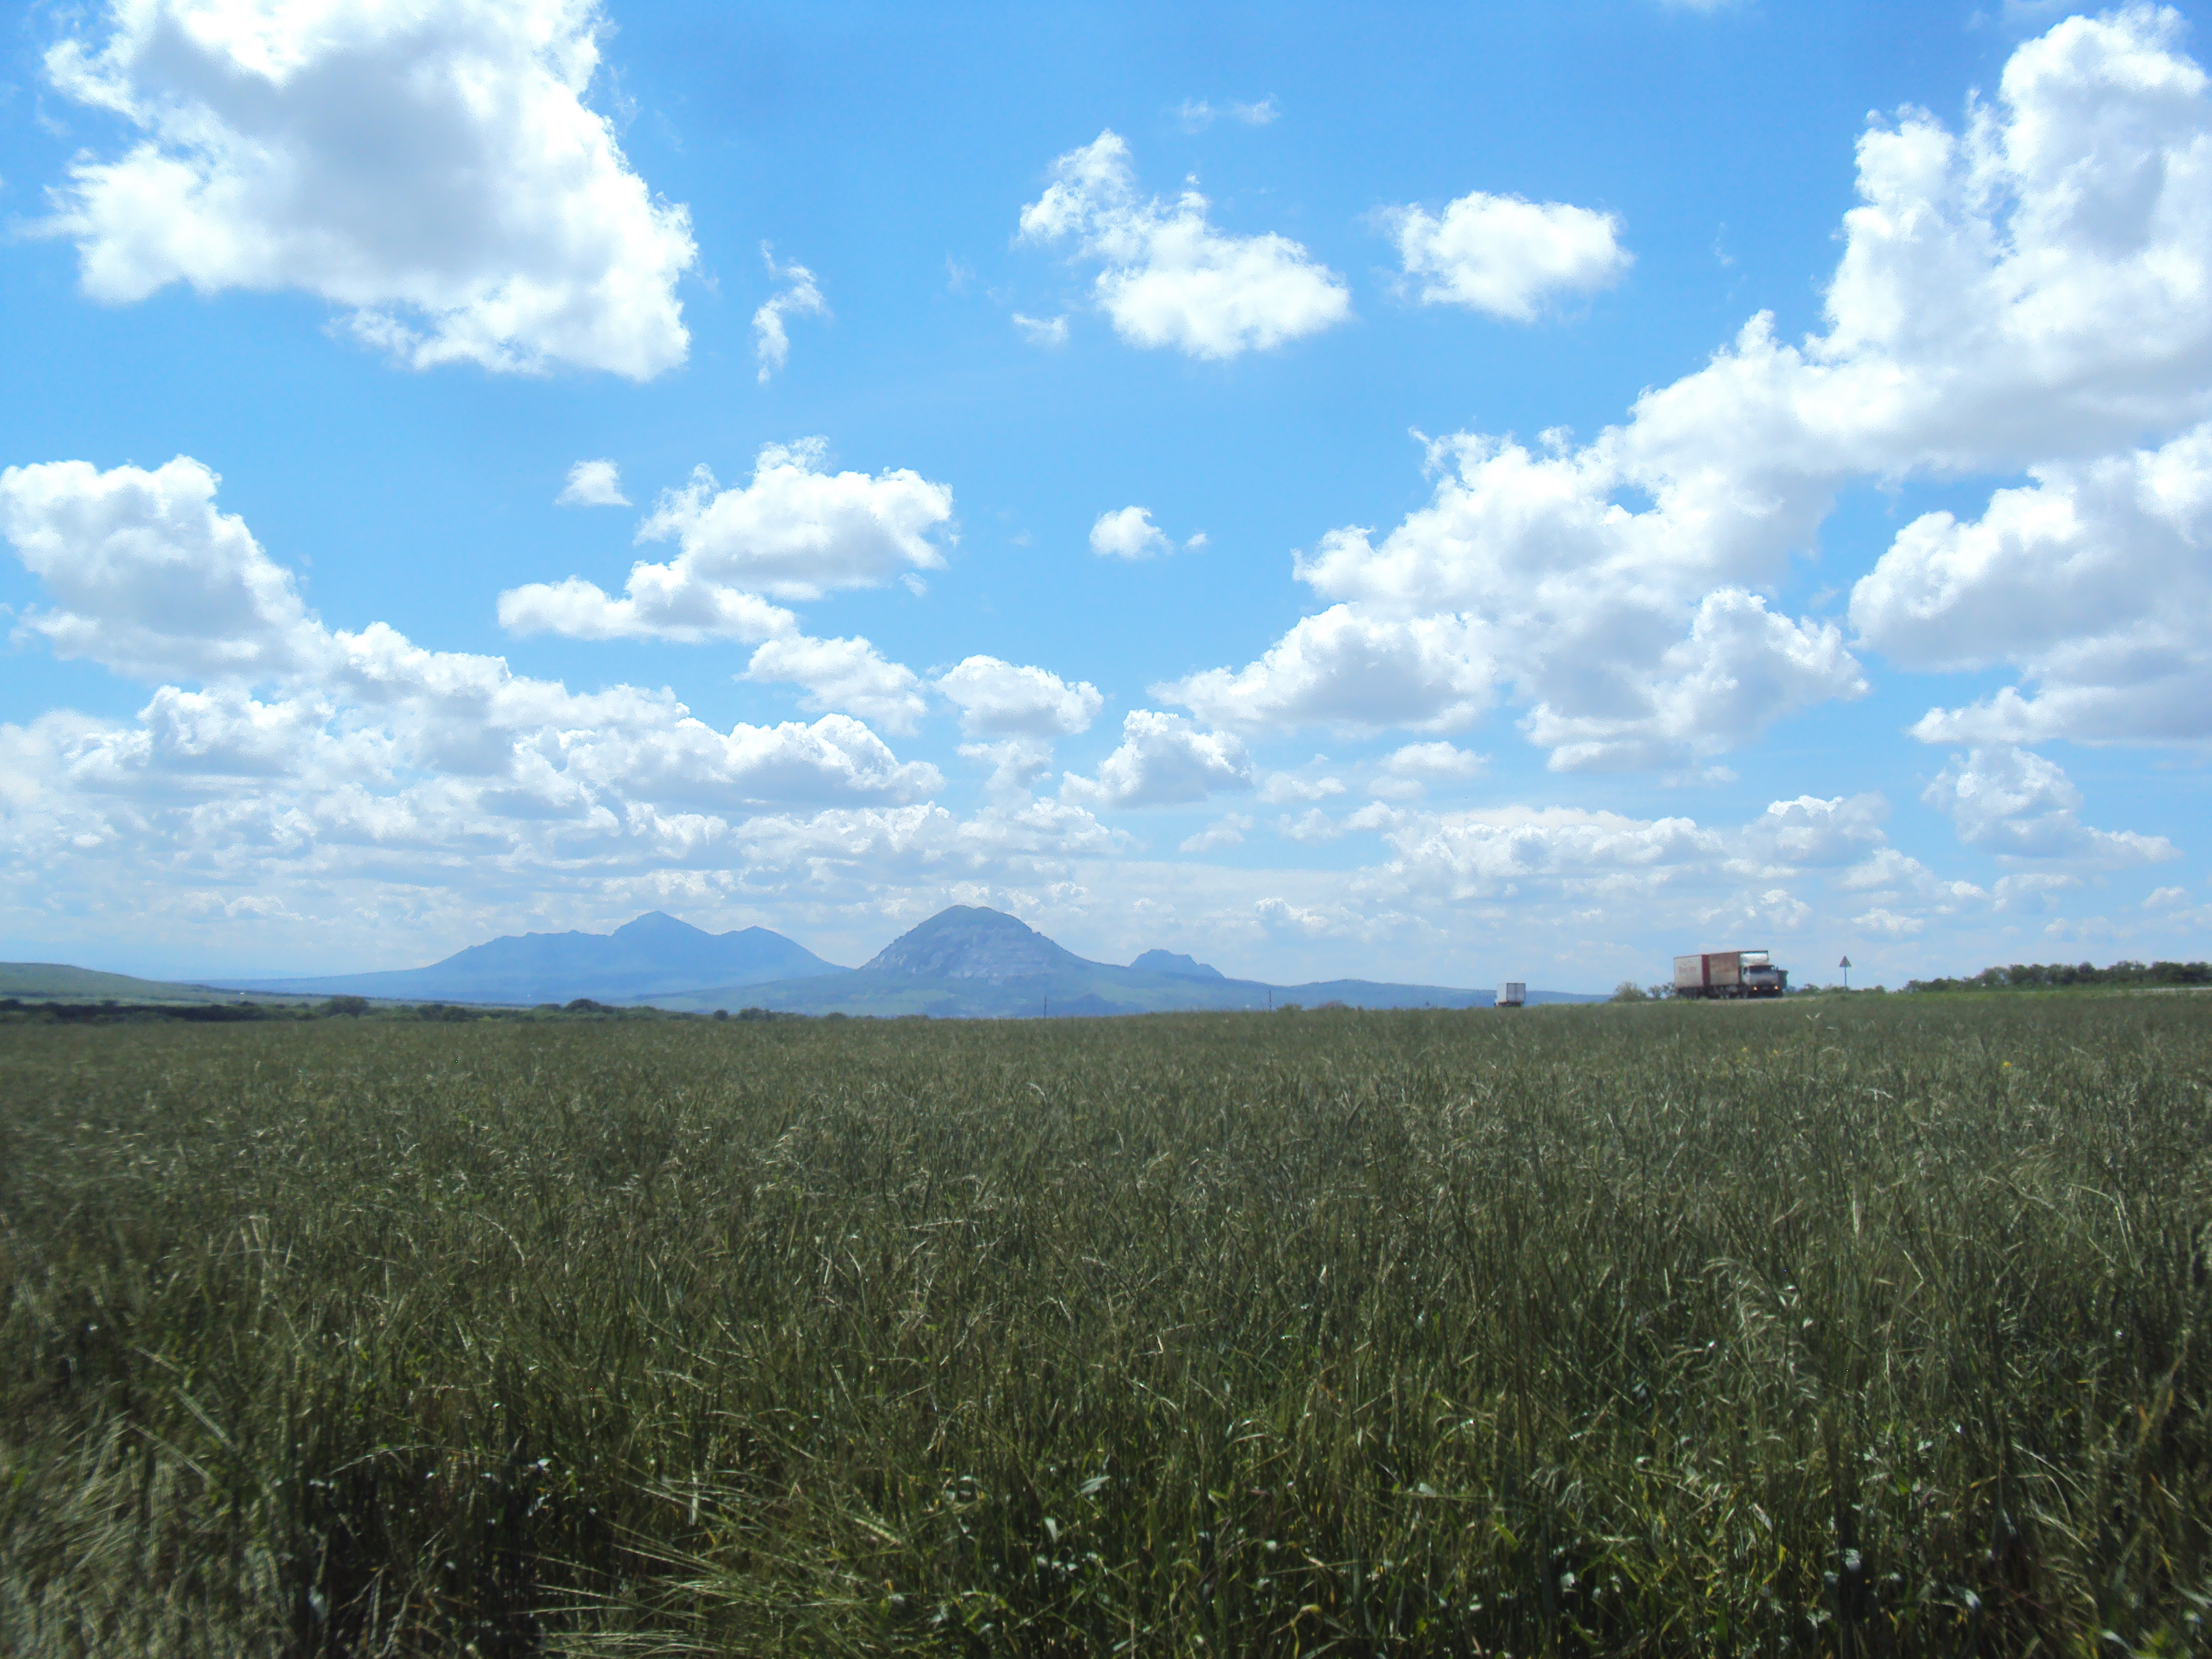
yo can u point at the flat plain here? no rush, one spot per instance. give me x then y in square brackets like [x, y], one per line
[1867, 1325]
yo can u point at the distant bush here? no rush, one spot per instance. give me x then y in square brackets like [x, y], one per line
[586, 1005]
[2042, 976]
[73, 1013]
[352, 1007]
[1629, 991]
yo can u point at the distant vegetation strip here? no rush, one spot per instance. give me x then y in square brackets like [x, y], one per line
[2047, 976]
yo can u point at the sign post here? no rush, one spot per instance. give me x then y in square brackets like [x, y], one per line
[1845, 964]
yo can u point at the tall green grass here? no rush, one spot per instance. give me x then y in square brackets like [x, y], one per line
[1869, 1328]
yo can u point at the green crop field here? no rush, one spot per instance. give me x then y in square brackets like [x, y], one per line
[1861, 1327]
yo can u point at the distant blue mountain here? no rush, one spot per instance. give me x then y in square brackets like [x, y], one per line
[964, 961]
[1169, 962]
[642, 961]
[968, 961]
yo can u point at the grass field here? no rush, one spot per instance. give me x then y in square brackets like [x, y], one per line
[1862, 1326]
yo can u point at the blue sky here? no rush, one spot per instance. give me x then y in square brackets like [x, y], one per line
[1458, 494]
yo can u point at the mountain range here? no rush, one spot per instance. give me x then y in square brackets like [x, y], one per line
[968, 961]
[643, 961]
[964, 961]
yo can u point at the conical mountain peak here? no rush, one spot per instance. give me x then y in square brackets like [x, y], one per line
[969, 941]
[657, 925]
[1174, 962]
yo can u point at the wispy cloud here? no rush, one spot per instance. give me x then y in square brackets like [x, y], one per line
[1196, 114]
[1042, 330]
[771, 341]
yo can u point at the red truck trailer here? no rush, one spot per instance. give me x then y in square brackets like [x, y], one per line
[1729, 974]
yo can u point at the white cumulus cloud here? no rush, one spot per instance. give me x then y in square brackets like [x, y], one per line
[592, 483]
[1814, 831]
[1438, 761]
[1170, 278]
[1228, 831]
[149, 579]
[2010, 801]
[2027, 294]
[690, 764]
[1883, 923]
[1128, 533]
[1280, 786]
[1000, 699]
[1505, 256]
[2092, 581]
[1349, 667]
[796, 532]
[847, 675]
[1408, 771]
[360, 734]
[431, 169]
[1164, 760]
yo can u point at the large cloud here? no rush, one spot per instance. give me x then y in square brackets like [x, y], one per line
[1170, 278]
[850, 674]
[835, 761]
[1164, 761]
[344, 789]
[796, 532]
[1506, 255]
[1807, 869]
[1350, 668]
[1000, 699]
[300, 735]
[1811, 831]
[2026, 293]
[149, 579]
[1498, 853]
[1017, 712]
[2095, 581]
[2009, 801]
[431, 168]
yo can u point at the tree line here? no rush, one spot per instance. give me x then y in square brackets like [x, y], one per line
[2048, 976]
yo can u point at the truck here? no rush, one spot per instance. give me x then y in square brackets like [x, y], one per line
[1729, 974]
[1514, 994]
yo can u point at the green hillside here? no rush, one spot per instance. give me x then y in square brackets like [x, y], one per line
[56, 982]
